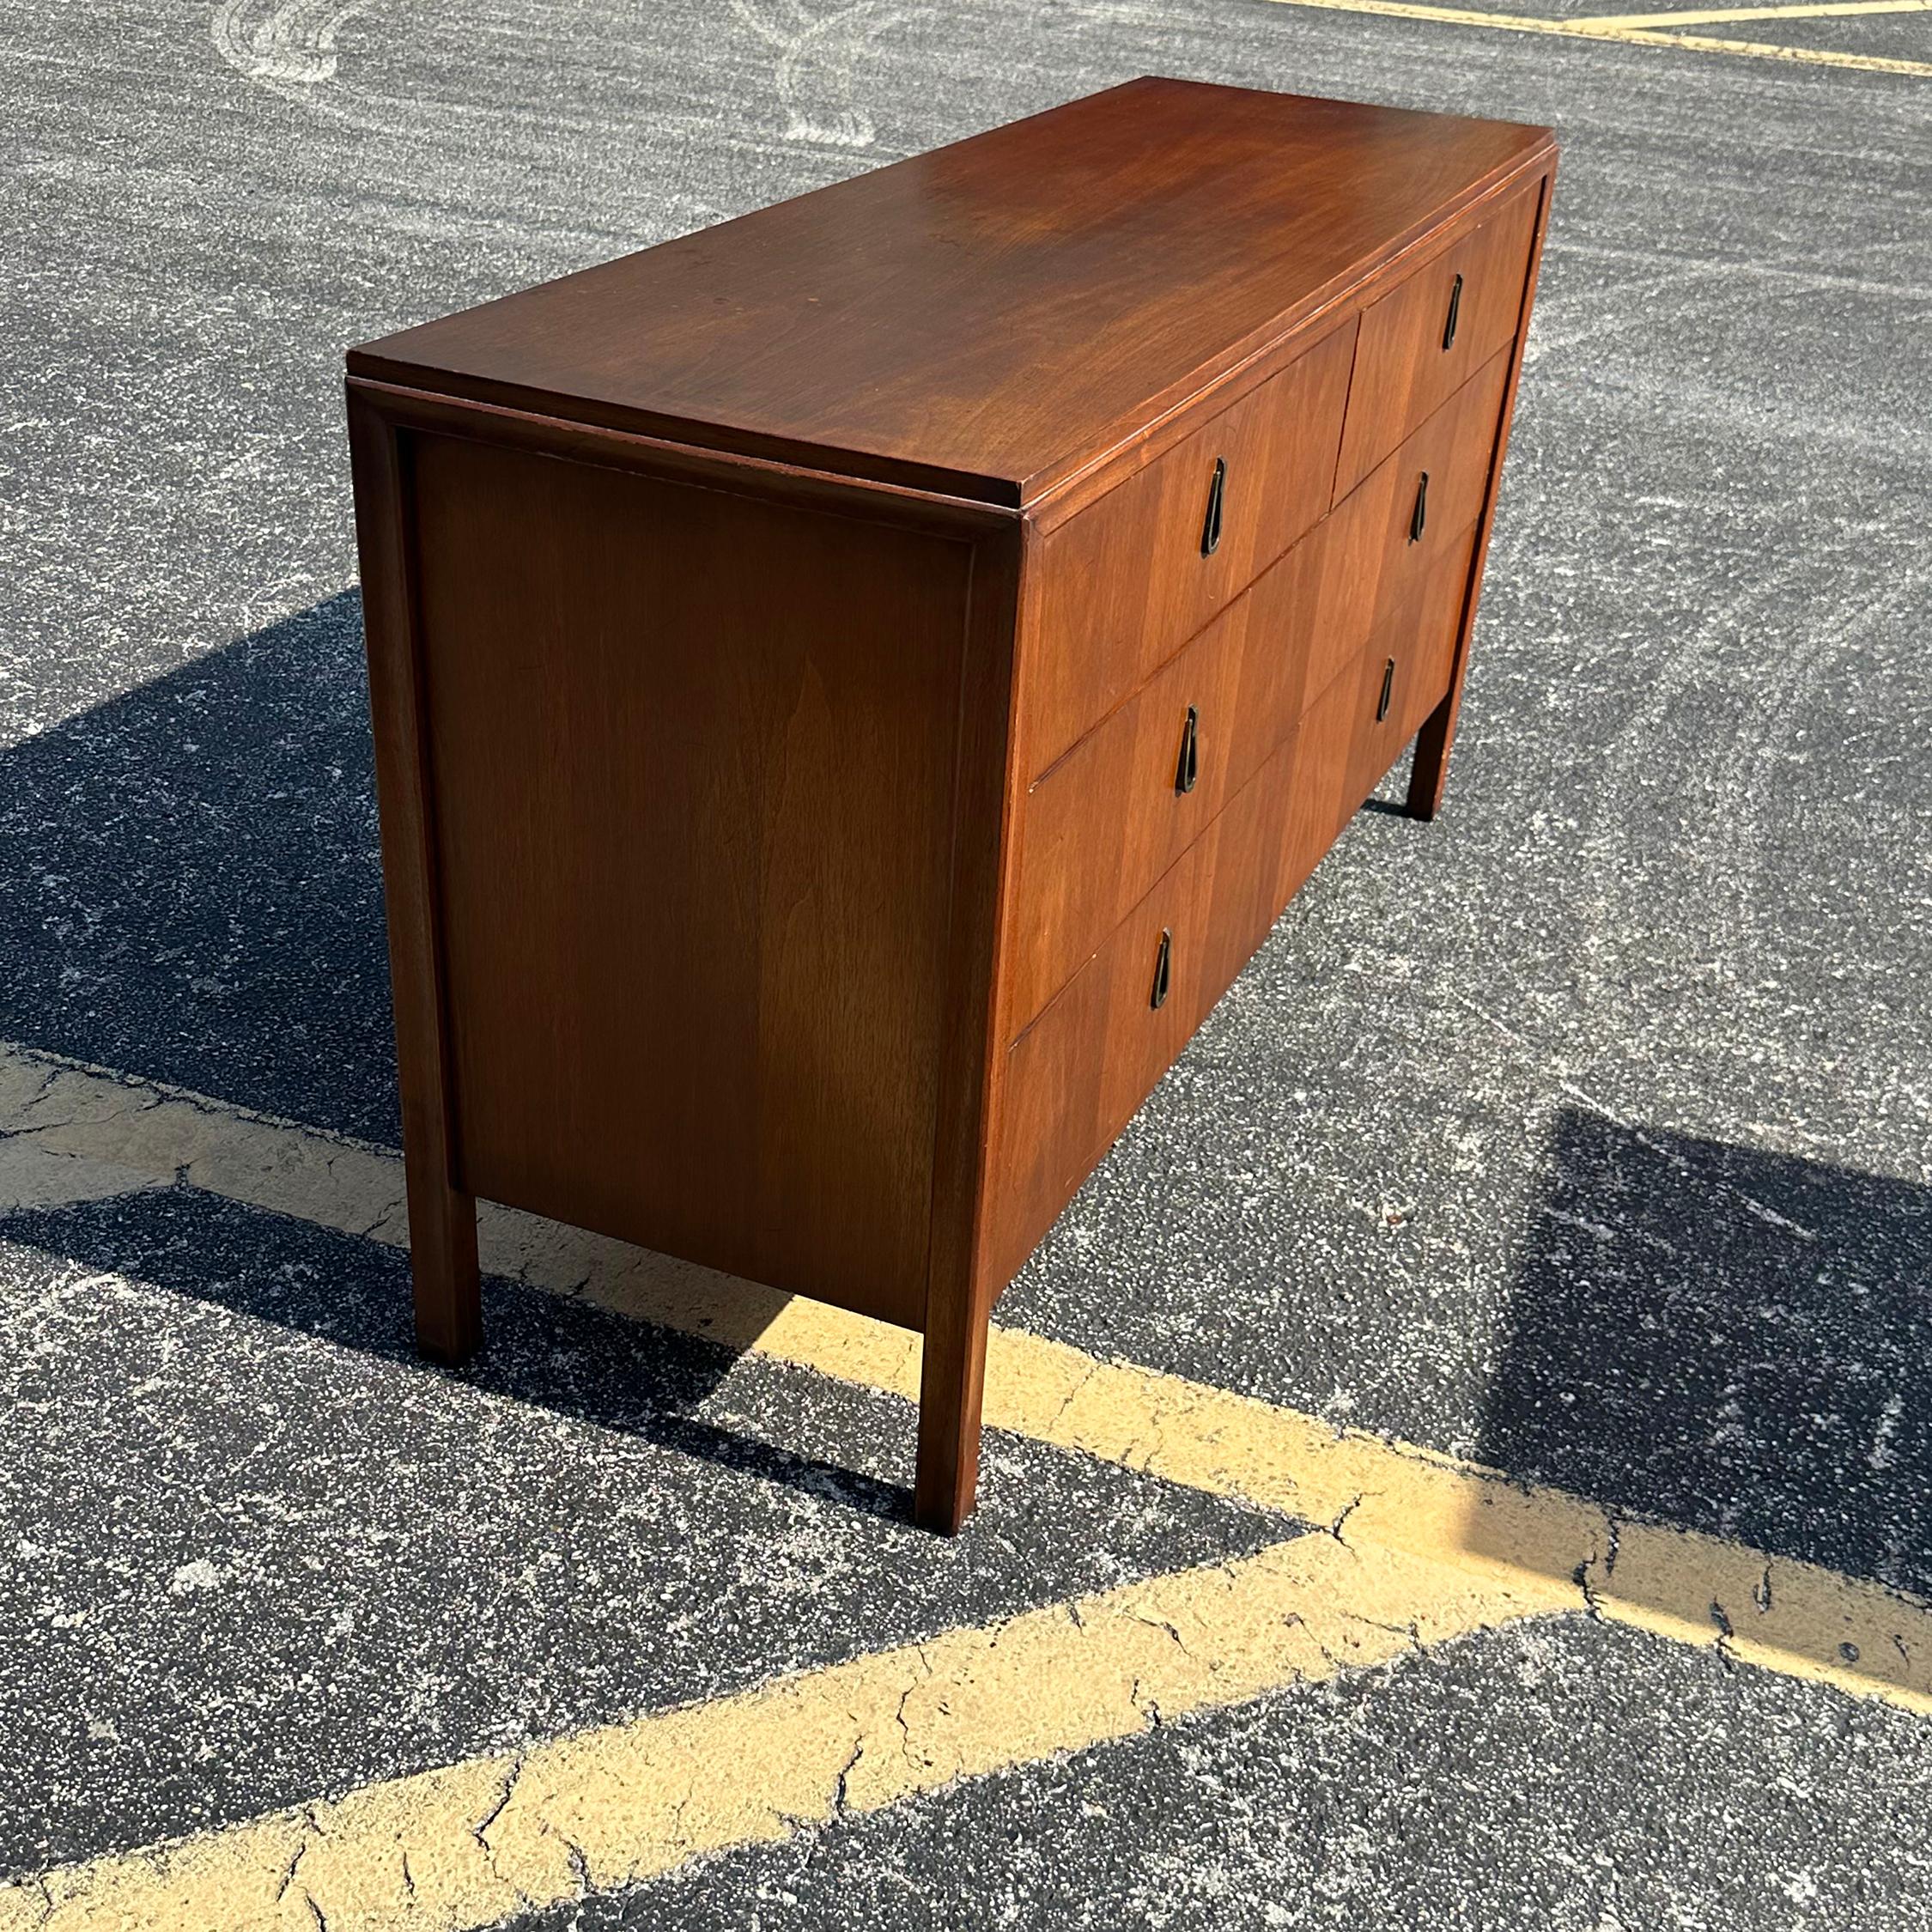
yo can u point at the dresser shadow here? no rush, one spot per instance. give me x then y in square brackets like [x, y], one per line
[190, 884]
[569, 1357]
[190, 893]
[1734, 1342]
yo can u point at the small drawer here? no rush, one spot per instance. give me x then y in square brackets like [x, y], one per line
[1105, 821]
[1404, 672]
[1425, 337]
[1121, 585]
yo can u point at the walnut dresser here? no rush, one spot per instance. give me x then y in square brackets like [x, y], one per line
[852, 686]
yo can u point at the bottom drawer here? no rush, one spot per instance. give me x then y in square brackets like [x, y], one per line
[1075, 1077]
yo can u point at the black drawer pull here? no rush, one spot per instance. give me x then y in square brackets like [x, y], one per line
[1387, 690]
[1188, 767]
[1454, 310]
[1210, 526]
[1161, 958]
[1419, 515]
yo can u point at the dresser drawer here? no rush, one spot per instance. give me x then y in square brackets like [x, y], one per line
[1404, 672]
[1315, 805]
[1111, 816]
[1120, 586]
[1387, 538]
[1076, 1076]
[1425, 337]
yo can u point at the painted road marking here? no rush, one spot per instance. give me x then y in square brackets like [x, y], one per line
[1602, 23]
[70, 1131]
[1583, 28]
[288, 44]
[469, 1844]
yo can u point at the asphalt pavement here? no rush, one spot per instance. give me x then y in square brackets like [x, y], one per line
[1583, 1135]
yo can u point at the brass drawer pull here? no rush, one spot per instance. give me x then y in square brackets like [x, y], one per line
[1387, 690]
[1210, 526]
[1188, 769]
[1419, 515]
[1454, 309]
[1160, 959]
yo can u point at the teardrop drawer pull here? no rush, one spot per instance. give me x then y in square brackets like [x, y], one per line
[1387, 690]
[1211, 525]
[1160, 959]
[1419, 515]
[1187, 769]
[1454, 310]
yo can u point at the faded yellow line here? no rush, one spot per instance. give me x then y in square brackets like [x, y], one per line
[1585, 29]
[72, 1132]
[1710, 17]
[471, 1844]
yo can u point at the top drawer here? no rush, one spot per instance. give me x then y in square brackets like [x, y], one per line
[1124, 583]
[1427, 335]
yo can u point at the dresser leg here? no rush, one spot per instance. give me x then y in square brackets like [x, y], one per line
[952, 1382]
[1428, 772]
[443, 1271]
[442, 1220]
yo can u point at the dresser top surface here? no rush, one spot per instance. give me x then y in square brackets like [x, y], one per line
[987, 319]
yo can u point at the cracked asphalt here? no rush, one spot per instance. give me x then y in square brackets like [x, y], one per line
[1367, 1804]
[1585, 1134]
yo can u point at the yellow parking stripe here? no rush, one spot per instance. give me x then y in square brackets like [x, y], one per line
[1710, 17]
[1583, 28]
[469, 1844]
[1422, 1548]
[72, 1132]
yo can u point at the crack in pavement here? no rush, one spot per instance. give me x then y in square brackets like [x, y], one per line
[470, 1843]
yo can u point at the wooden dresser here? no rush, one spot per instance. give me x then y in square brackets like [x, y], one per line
[852, 686]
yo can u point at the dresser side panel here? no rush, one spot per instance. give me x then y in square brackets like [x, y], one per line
[693, 759]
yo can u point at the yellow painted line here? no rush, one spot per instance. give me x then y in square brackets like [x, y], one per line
[1715, 15]
[1584, 29]
[1424, 1548]
[472, 1844]
[70, 1132]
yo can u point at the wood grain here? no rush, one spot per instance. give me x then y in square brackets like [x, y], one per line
[695, 822]
[1429, 774]
[1076, 1076]
[442, 1213]
[985, 319]
[1419, 643]
[1078, 1072]
[959, 1287]
[1106, 819]
[1120, 588]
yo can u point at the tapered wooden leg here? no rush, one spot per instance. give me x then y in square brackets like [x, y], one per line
[443, 1269]
[952, 1384]
[1429, 772]
[442, 1218]
[959, 1298]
